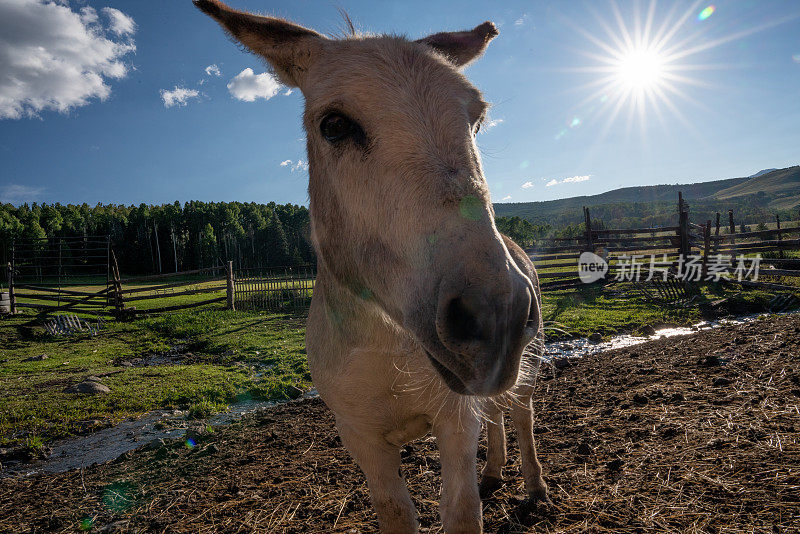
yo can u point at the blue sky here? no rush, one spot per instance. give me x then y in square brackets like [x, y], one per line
[724, 97]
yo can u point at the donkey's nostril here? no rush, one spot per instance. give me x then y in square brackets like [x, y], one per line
[461, 322]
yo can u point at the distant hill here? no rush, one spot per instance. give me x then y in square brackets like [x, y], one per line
[759, 173]
[782, 186]
[753, 198]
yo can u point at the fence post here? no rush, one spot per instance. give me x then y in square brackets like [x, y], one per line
[706, 247]
[11, 299]
[733, 235]
[780, 247]
[683, 227]
[230, 288]
[588, 219]
[717, 230]
[119, 304]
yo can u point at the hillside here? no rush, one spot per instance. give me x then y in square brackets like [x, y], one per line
[753, 199]
[781, 185]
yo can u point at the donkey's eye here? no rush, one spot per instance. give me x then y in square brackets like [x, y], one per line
[335, 127]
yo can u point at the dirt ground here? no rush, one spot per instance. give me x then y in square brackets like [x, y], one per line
[693, 434]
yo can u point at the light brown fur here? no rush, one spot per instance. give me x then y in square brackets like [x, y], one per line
[421, 309]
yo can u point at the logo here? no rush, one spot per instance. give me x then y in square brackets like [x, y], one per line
[591, 267]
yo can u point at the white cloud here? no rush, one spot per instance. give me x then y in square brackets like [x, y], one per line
[527, 185]
[213, 70]
[179, 96]
[53, 58]
[248, 86]
[19, 194]
[299, 165]
[574, 179]
[288, 92]
[569, 180]
[522, 20]
[119, 22]
[507, 197]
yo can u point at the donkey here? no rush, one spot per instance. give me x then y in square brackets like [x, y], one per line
[421, 309]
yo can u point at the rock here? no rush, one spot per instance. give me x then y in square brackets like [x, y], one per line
[90, 387]
[595, 338]
[209, 449]
[562, 363]
[717, 443]
[711, 360]
[294, 392]
[36, 358]
[677, 398]
[156, 444]
[116, 526]
[196, 433]
[648, 331]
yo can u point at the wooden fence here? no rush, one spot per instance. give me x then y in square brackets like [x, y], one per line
[556, 259]
[274, 289]
[290, 288]
[278, 289]
[123, 297]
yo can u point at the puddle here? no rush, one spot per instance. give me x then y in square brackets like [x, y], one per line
[576, 348]
[110, 443]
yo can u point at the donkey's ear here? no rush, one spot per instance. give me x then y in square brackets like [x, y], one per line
[462, 47]
[289, 48]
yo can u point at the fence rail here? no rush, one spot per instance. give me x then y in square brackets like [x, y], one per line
[556, 259]
[274, 289]
[67, 286]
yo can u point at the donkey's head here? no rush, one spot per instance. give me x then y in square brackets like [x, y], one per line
[400, 210]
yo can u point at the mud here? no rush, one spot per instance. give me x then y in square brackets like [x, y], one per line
[699, 433]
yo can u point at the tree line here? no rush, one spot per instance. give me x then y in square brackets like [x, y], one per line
[749, 209]
[171, 237]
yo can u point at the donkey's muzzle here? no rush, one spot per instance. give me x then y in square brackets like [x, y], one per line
[485, 330]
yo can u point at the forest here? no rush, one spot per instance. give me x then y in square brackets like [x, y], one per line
[179, 237]
[171, 237]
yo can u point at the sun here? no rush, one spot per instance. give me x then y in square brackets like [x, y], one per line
[641, 69]
[648, 61]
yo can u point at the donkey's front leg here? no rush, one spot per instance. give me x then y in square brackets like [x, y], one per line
[380, 462]
[459, 503]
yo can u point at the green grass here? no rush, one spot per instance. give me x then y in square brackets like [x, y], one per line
[230, 356]
[235, 355]
[592, 309]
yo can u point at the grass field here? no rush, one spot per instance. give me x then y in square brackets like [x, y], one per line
[208, 358]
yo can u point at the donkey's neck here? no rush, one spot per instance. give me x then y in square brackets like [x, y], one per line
[353, 316]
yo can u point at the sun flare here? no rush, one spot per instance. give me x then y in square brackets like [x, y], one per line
[648, 61]
[641, 69]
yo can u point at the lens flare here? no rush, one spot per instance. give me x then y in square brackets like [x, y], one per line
[647, 62]
[190, 443]
[641, 68]
[707, 12]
